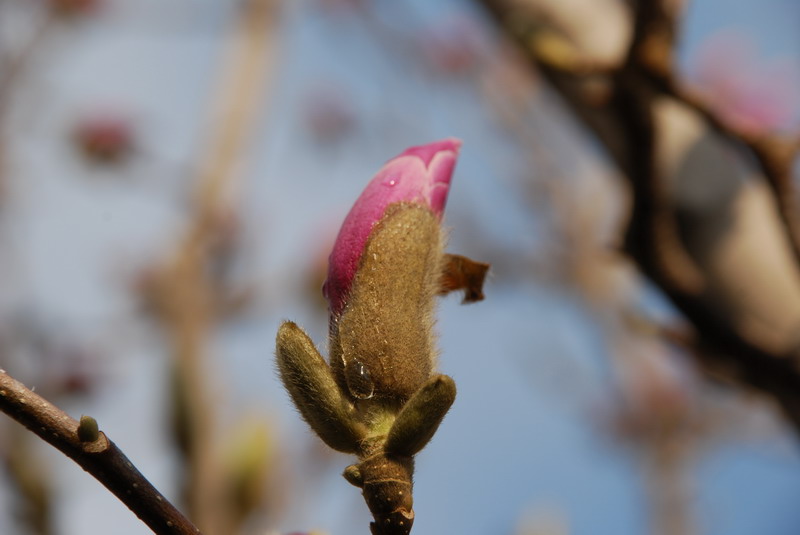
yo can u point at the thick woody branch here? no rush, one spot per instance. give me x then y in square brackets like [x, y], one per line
[774, 154]
[652, 234]
[652, 56]
[651, 59]
[652, 237]
[95, 453]
[585, 89]
[623, 121]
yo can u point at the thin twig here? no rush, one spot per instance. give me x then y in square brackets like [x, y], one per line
[100, 457]
[15, 67]
[12, 72]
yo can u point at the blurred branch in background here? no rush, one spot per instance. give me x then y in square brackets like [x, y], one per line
[29, 480]
[12, 66]
[189, 293]
[701, 226]
[636, 114]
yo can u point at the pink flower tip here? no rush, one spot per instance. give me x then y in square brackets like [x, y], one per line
[421, 175]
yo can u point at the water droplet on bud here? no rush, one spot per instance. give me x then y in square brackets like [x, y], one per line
[359, 382]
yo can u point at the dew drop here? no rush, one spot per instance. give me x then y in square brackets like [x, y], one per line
[358, 379]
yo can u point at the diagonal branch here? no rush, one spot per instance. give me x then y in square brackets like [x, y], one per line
[652, 233]
[651, 55]
[625, 124]
[774, 154]
[100, 457]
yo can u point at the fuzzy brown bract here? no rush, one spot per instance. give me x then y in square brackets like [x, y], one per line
[307, 378]
[387, 324]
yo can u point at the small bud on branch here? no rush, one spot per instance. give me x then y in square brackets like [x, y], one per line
[88, 431]
[95, 453]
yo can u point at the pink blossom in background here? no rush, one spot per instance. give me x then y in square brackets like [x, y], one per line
[329, 112]
[421, 174]
[75, 7]
[655, 384]
[455, 45]
[747, 91]
[104, 137]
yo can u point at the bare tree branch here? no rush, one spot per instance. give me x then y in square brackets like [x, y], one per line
[624, 121]
[774, 153]
[100, 457]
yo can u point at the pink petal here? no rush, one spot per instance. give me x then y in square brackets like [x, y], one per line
[420, 174]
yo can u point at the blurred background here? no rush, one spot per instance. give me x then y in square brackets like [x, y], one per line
[173, 174]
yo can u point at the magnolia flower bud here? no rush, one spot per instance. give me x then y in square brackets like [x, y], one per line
[420, 175]
[379, 396]
[384, 273]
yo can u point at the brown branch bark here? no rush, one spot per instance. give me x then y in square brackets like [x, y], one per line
[625, 124]
[652, 235]
[100, 457]
[774, 153]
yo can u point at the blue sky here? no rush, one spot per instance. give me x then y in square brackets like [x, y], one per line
[525, 438]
